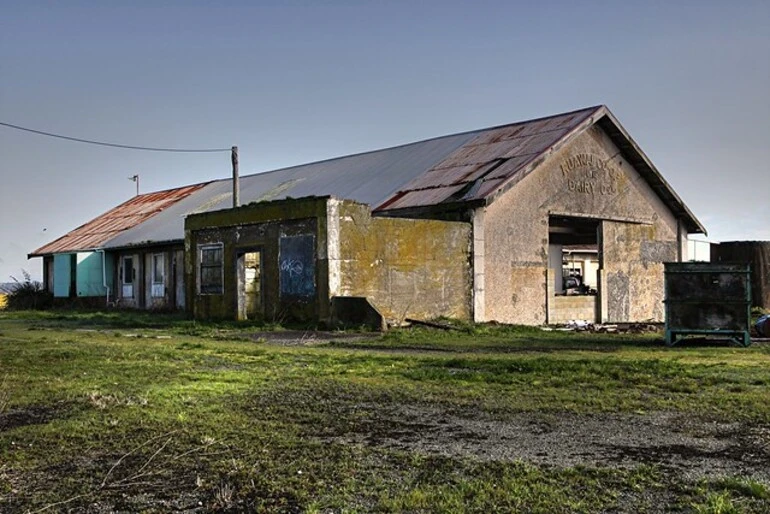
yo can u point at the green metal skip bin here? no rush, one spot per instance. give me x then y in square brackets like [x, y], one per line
[708, 299]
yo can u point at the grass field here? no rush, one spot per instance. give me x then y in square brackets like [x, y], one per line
[105, 412]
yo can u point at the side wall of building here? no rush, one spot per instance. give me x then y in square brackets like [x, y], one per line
[407, 268]
[587, 178]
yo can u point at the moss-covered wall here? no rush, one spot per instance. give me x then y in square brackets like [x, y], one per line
[408, 268]
[265, 227]
[587, 178]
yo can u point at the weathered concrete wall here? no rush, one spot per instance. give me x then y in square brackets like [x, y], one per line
[632, 285]
[586, 178]
[408, 268]
[269, 228]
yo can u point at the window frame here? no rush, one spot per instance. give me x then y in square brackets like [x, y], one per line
[127, 273]
[158, 286]
[216, 289]
[155, 258]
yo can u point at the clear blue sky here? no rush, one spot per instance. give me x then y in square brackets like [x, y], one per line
[292, 82]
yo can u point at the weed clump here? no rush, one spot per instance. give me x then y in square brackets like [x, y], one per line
[28, 294]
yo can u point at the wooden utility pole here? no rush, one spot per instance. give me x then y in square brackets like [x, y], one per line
[236, 183]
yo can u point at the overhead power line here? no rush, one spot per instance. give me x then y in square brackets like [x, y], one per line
[114, 145]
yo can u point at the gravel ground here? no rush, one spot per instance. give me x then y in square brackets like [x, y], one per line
[689, 447]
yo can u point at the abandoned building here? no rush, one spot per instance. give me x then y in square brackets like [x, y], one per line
[535, 222]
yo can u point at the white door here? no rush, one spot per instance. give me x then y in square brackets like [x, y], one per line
[127, 276]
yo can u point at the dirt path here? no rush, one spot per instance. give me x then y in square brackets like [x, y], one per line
[308, 337]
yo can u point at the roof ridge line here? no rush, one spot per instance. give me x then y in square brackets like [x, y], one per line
[404, 145]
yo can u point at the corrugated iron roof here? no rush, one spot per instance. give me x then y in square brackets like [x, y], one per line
[129, 214]
[369, 178]
[472, 167]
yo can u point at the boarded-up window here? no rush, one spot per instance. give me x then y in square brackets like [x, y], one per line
[297, 265]
[211, 258]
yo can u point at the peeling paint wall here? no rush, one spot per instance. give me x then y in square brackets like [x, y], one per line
[586, 178]
[407, 268]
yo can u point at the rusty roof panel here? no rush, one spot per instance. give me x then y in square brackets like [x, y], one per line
[477, 154]
[123, 217]
[448, 176]
[424, 197]
[495, 155]
[510, 167]
[562, 124]
[534, 144]
[487, 187]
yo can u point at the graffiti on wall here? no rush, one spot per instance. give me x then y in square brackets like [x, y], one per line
[297, 265]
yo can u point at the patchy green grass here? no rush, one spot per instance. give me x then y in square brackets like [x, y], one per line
[145, 412]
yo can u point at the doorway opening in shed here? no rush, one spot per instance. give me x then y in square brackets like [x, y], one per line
[573, 269]
[127, 274]
[249, 278]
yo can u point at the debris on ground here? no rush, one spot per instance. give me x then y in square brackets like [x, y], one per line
[431, 324]
[581, 325]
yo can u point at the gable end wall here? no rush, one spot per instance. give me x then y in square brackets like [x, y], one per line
[516, 234]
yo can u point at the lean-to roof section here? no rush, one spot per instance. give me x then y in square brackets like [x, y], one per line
[101, 229]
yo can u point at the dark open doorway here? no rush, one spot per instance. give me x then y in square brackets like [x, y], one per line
[249, 270]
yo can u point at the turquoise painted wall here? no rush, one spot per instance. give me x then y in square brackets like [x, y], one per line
[61, 275]
[89, 274]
